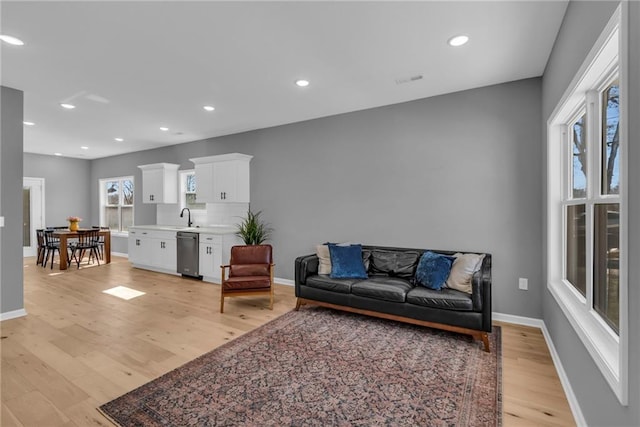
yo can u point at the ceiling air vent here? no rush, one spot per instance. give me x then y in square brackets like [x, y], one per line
[409, 79]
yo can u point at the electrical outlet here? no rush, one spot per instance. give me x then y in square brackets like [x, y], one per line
[523, 284]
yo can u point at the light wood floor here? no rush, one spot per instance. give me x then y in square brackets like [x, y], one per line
[79, 348]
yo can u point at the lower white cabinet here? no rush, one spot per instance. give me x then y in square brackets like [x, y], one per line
[153, 250]
[210, 256]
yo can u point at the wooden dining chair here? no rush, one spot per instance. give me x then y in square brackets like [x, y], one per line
[87, 241]
[52, 244]
[42, 249]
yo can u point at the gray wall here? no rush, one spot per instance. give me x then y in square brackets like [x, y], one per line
[11, 274]
[67, 187]
[460, 171]
[583, 23]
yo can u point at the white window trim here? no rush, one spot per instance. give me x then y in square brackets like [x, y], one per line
[102, 204]
[182, 191]
[608, 350]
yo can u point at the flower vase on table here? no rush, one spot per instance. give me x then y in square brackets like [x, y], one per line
[73, 222]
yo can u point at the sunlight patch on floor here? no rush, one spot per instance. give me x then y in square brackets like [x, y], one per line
[123, 292]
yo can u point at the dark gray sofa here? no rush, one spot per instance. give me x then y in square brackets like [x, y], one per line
[389, 292]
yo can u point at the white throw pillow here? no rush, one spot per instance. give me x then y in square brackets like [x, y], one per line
[462, 271]
[324, 266]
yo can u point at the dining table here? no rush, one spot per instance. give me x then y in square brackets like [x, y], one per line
[65, 235]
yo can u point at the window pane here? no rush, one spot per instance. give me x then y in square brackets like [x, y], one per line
[579, 164]
[576, 247]
[191, 183]
[606, 262]
[191, 202]
[127, 192]
[113, 193]
[111, 217]
[610, 136]
[127, 218]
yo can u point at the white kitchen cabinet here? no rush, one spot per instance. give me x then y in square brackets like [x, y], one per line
[160, 183]
[224, 178]
[210, 256]
[153, 250]
[139, 247]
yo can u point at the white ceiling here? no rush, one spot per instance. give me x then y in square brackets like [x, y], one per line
[131, 67]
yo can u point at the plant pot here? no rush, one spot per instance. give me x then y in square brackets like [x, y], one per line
[73, 225]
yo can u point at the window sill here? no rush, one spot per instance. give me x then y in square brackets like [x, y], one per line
[603, 345]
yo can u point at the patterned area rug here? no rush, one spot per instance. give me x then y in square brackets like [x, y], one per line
[320, 367]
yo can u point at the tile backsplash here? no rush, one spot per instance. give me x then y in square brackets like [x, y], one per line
[215, 213]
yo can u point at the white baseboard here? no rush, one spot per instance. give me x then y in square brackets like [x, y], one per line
[120, 254]
[284, 281]
[564, 379]
[13, 314]
[518, 320]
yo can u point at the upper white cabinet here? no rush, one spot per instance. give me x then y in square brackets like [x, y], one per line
[223, 178]
[160, 183]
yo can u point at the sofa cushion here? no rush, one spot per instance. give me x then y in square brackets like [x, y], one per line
[462, 271]
[433, 270]
[346, 262]
[394, 263]
[447, 299]
[325, 282]
[384, 288]
[247, 283]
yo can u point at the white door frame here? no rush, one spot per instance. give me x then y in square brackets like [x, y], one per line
[37, 219]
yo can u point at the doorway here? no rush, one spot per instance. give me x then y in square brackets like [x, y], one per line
[32, 214]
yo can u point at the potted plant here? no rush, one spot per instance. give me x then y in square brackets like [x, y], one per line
[252, 230]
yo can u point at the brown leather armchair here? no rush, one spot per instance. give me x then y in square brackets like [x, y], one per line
[250, 273]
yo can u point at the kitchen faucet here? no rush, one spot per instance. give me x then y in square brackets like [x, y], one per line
[189, 223]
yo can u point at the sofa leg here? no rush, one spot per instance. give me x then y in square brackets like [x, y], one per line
[485, 340]
[298, 304]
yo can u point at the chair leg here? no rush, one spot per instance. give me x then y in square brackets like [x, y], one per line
[271, 299]
[221, 301]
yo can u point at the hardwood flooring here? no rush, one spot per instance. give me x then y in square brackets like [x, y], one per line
[79, 347]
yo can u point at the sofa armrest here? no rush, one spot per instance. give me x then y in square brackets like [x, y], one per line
[306, 265]
[481, 292]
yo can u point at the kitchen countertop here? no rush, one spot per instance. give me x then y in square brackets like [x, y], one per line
[208, 229]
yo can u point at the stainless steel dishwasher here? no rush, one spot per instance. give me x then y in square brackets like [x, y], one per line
[188, 254]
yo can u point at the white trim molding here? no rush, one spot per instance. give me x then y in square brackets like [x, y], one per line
[284, 281]
[13, 314]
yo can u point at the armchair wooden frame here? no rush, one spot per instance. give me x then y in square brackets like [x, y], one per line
[247, 292]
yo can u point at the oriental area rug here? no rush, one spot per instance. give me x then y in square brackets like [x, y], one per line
[320, 367]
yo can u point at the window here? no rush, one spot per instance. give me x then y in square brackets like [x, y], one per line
[116, 203]
[188, 191]
[586, 243]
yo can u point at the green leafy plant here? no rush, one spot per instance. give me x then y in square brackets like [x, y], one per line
[252, 230]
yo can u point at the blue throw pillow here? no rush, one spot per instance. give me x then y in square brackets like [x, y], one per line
[433, 270]
[346, 262]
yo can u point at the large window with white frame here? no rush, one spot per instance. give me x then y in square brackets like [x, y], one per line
[586, 201]
[188, 191]
[116, 203]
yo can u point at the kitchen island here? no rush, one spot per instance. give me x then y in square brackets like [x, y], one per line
[154, 247]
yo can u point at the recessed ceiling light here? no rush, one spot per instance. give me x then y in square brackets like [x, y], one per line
[302, 83]
[57, 154]
[209, 108]
[11, 40]
[456, 41]
[68, 106]
[164, 129]
[119, 139]
[84, 147]
[28, 123]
